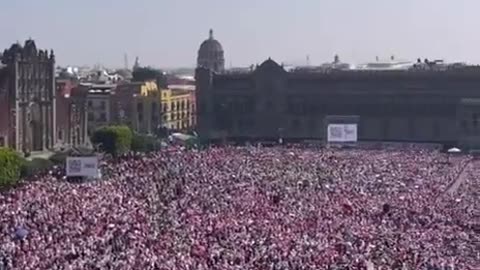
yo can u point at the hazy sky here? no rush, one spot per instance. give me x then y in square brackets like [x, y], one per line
[167, 33]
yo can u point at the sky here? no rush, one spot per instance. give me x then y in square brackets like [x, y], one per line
[167, 33]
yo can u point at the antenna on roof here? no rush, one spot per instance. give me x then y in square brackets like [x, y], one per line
[125, 61]
[336, 59]
[308, 60]
[376, 58]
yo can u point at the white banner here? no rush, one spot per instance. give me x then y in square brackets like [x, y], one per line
[82, 166]
[342, 133]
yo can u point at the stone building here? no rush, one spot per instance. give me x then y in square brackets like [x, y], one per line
[438, 106]
[99, 99]
[72, 122]
[27, 90]
[211, 55]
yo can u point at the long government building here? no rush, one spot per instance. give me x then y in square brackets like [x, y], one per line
[426, 102]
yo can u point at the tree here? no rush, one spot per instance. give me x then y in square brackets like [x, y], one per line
[145, 143]
[10, 166]
[115, 140]
[35, 166]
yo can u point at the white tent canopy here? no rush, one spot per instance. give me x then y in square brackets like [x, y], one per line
[182, 137]
[454, 150]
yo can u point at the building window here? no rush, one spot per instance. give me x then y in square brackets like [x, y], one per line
[103, 117]
[90, 104]
[139, 107]
[140, 117]
[60, 135]
[91, 117]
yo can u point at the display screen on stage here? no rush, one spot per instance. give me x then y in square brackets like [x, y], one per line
[342, 133]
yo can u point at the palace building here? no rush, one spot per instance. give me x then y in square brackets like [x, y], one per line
[27, 98]
[427, 104]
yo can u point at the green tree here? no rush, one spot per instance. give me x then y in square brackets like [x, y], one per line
[145, 143]
[115, 140]
[10, 166]
[36, 166]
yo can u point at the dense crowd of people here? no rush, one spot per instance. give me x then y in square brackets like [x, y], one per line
[250, 208]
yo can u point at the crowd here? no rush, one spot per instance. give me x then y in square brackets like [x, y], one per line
[250, 208]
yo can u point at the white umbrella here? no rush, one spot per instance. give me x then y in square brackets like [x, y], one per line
[454, 150]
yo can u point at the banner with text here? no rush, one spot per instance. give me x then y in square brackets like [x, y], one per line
[82, 166]
[342, 133]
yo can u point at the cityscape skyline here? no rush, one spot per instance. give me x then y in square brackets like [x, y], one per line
[168, 34]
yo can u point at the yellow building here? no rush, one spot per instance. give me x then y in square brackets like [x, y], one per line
[146, 108]
[178, 109]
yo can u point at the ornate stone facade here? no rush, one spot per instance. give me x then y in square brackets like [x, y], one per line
[408, 106]
[28, 90]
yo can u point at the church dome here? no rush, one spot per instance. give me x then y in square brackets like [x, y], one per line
[210, 45]
[211, 55]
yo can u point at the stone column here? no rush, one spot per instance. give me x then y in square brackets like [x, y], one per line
[43, 126]
[53, 105]
[48, 133]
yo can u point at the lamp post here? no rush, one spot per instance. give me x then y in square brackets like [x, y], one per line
[280, 135]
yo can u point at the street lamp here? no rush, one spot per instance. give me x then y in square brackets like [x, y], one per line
[280, 135]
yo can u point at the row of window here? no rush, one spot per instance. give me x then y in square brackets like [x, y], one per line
[179, 125]
[166, 117]
[314, 126]
[177, 106]
[177, 116]
[299, 108]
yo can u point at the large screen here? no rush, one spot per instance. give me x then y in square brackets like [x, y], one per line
[82, 166]
[342, 133]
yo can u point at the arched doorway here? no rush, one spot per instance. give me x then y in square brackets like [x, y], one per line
[35, 127]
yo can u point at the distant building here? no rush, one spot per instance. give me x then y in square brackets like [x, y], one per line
[72, 122]
[27, 98]
[137, 105]
[98, 104]
[437, 103]
[178, 108]
[211, 55]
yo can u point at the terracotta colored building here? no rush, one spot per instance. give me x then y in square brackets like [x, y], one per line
[72, 119]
